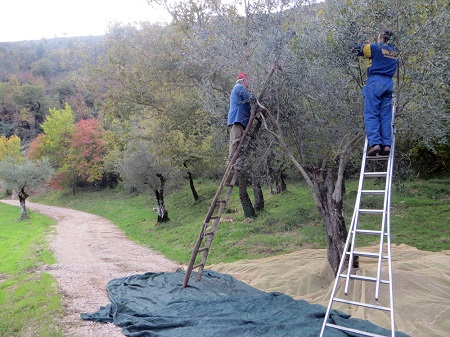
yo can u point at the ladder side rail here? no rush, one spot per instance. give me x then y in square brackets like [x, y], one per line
[204, 226]
[194, 256]
[336, 281]
[206, 251]
[355, 218]
[387, 193]
[203, 233]
[213, 228]
[222, 203]
[385, 229]
[347, 244]
[392, 156]
[388, 229]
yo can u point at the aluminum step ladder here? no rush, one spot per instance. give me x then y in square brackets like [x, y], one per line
[368, 210]
[218, 205]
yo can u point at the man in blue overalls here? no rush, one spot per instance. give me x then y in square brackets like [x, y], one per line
[378, 92]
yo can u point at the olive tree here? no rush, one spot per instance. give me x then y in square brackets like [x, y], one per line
[291, 85]
[25, 177]
[143, 172]
[308, 83]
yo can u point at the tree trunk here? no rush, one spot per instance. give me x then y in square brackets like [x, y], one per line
[246, 203]
[279, 183]
[257, 193]
[276, 175]
[331, 211]
[191, 185]
[73, 182]
[163, 215]
[191, 182]
[23, 210]
[327, 194]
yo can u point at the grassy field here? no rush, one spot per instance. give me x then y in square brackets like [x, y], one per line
[290, 221]
[30, 304]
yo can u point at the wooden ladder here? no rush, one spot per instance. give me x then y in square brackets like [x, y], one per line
[218, 204]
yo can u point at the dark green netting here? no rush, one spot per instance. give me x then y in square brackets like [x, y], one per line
[155, 305]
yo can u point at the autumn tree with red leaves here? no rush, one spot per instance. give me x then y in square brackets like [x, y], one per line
[88, 149]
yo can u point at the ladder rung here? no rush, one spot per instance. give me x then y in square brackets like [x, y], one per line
[202, 249]
[370, 211]
[366, 254]
[373, 192]
[377, 157]
[364, 278]
[221, 201]
[197, 265]
[369, 231]
[361, 304]
[214, 217]
[375, 174]
[353, 330]
[207, 233]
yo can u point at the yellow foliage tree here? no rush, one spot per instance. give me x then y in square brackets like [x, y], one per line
[10, 147]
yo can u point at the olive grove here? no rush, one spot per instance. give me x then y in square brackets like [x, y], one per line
[170, 85]
[312, 98]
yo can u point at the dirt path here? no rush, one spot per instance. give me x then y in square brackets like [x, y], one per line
[90, 251]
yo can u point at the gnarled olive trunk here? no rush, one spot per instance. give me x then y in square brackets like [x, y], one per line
[257, 193]
[246, 203]
[191, 183]
[331, 211]
[276, 175]
[163, 214]
[23, 209]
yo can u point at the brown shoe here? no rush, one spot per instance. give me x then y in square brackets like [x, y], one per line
[386, 151]
[374, 150]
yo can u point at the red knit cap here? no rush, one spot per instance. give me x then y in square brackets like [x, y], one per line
[242, 75]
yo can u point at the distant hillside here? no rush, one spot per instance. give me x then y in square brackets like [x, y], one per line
[36, 76]
[19, 56]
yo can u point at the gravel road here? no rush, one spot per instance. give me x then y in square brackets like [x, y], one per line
[90, 251]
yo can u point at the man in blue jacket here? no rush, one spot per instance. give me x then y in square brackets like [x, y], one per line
[239, 113]
[378, 92]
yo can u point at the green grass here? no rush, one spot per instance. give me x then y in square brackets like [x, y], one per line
[30, 304]
[290, 221]
[236, 239]
[422, 214]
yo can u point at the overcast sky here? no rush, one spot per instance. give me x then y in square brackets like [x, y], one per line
[35, 19]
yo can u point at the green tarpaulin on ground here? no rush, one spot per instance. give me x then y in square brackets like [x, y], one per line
[155, 305]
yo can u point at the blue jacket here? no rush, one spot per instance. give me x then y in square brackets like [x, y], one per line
[239, 105]
[384, 59]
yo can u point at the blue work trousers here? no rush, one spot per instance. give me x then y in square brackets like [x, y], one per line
[378, 109]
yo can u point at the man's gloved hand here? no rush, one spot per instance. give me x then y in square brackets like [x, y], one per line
[357, 48]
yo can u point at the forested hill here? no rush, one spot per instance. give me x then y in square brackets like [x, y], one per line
[36, 76]
[18, 56]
